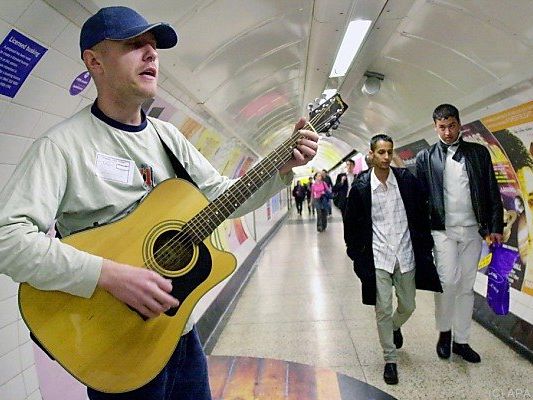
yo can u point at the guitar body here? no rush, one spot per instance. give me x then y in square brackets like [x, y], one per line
[100, 340]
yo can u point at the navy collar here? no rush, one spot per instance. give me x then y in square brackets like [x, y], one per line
[116, 124]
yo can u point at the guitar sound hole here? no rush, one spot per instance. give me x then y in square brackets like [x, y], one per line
[173, 250]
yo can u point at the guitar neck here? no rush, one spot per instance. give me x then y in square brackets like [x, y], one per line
[207, 220]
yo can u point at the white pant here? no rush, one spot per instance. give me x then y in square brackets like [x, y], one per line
[457, 251]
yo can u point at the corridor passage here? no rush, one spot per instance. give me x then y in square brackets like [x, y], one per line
[303, 304]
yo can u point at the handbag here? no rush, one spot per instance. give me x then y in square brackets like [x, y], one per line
[498, 288]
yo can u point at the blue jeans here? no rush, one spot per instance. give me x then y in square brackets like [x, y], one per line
[183, 378]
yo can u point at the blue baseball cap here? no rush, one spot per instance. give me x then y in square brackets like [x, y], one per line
[121, 23]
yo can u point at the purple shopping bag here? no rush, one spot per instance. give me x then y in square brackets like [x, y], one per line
[501, 264]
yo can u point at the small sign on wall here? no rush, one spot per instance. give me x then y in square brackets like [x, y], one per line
[18, 56]
[80, 83]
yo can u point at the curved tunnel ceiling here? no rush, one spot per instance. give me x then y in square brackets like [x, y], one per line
[250, 67]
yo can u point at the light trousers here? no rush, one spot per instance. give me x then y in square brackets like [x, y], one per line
[388, 321]
[457, 251]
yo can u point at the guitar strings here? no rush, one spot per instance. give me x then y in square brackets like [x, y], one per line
[182, 245]
[187, 244]
[183, 240]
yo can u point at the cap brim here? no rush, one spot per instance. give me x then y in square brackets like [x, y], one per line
[165, 36]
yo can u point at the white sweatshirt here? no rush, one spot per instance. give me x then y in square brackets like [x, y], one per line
[84, 171]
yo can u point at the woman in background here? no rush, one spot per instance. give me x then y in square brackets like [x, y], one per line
[340, 192]
[319, 193]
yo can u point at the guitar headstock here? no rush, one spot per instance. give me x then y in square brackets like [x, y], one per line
[325, 116]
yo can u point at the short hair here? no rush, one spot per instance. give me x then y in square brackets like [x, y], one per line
[376, 138]
[339, 177]
[445, 111]
[349, 160]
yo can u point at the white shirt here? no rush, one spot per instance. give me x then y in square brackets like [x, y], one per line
[349, 178]
[457, 199]
[391, 240]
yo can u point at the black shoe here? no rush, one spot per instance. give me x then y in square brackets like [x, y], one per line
[444, 344]
[465, 351]
[390, 374]
[398, 338]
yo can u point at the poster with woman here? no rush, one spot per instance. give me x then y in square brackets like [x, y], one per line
[513, 129]
[511, 198]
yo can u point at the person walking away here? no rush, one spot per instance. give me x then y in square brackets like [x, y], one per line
[350, 173]
[299, 192]
[319, 191]
[340, 192]
[327, 180]
[308, 196]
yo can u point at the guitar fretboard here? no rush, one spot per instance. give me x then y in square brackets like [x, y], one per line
[207, 220]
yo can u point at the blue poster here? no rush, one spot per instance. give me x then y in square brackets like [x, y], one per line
[18, 56]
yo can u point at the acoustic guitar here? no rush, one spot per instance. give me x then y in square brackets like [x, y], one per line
[101, 341]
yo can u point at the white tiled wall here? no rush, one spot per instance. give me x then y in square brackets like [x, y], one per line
[42, 101]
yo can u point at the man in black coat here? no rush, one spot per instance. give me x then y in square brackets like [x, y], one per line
[465, 207]
[386, 230]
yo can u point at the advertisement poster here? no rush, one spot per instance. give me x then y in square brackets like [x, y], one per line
[238, 233]
[513, 130]
[190, 128]
[407, 154]
[360, 163]
[227, 157]
[268, 210]
[510, 193]
[208, 143]
[244, 165]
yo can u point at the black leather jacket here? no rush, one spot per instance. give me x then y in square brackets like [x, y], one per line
[485, 194]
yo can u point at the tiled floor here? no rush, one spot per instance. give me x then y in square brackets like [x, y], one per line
[303, 304]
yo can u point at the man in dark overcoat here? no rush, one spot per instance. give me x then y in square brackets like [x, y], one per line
[388, 237]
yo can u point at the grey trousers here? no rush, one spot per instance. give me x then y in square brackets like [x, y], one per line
[388, 321]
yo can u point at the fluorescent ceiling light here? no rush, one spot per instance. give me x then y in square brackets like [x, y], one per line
[355, 33]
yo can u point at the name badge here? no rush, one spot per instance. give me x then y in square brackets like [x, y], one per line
[116, 169]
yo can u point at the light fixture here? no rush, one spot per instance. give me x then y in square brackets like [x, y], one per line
[351, 42]
[372, 83]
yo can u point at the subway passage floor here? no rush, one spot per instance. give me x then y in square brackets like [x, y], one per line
[302, 304]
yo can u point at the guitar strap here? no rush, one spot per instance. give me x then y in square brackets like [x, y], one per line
[180, 171]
